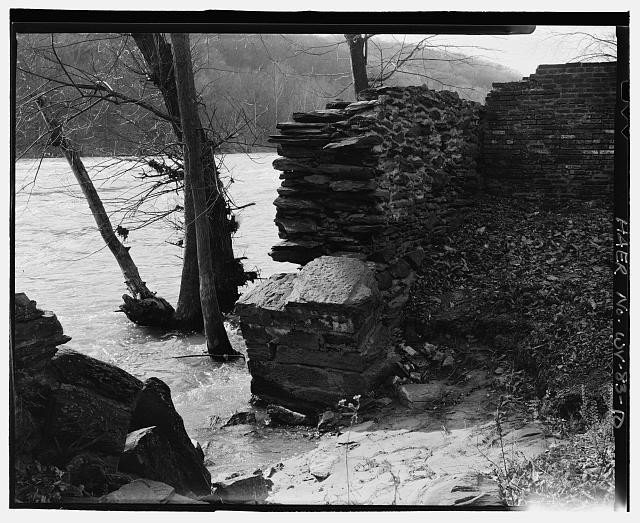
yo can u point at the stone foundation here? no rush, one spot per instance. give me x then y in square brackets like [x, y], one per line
[315, 337]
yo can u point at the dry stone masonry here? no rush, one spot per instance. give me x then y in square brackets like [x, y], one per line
[368, 186]
[552, 133]
[315, 337]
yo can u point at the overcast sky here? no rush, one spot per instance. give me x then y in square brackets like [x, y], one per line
[546, 45]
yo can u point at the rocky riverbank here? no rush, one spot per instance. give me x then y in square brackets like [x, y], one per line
[84, 428]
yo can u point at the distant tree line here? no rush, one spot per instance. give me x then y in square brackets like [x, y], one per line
[248, 81]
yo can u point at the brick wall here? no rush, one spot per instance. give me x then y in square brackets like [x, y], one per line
[552, 133]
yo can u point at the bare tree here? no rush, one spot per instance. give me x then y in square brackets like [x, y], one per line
[80, 91]
[143, 306]
[217, 340]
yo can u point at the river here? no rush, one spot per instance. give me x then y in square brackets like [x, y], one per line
[62, 263]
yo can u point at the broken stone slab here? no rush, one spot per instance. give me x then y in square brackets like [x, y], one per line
[322, 116]
[283, 416]
[241, 418]
[422, 395]
[250, 489]
[147, 491]
[364, 141]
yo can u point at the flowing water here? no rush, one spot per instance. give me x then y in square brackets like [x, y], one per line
[62, 263]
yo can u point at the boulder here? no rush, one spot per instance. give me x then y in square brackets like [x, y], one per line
[99, 377]
[241, 418]
[78, 418]
[155, 408]
[422, 395]
[149, 453]
[282, 416]
[37, 334]
[250, 489]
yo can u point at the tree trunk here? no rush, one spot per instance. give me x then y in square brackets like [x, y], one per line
[229, 272]
[143, 307]
[217, 340]
[358, 62]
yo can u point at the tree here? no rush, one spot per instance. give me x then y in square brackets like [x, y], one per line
[217, 340]
[357, 49]
[157, 55]
[143, 306]
[80, 90]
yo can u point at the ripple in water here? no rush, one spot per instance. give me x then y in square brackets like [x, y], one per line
[62, 263]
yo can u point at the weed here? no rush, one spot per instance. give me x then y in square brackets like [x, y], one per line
[352, 409]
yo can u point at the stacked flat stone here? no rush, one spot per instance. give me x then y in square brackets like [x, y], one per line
[327, 200]
[315, 337]
[376, 180]
[552, 133]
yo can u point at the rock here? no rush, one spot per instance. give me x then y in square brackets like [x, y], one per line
[78, 417]
[465, 490]
[109, 381]
[250, 489]
[241, 418]
[448, 362]
[421, 395]
[498, 371]
[282, 416]
[429, 350]
[328, 421]
[198, 447]
[147, 491]
[37, 334]
[155, 408]
[439, 356]
[149, 453]
[335, 281]
[409, 351]
[321, 465]
[384, 402]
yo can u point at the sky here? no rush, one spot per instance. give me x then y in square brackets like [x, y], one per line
[546, 45]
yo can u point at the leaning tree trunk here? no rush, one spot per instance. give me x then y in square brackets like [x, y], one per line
[156, 52]
[358, 62]
[143, 306]
[217, 340]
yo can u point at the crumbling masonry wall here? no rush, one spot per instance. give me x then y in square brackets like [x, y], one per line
[368, 186]
[375, 180]
[552, 134]
[364, 186]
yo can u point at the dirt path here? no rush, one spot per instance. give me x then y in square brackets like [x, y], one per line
[411, 456]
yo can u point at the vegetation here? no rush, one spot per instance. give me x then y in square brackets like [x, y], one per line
[248, 82]
[533, 282]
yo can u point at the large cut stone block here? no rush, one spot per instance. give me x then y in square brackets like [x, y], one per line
[315, 337]
[334, 282]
